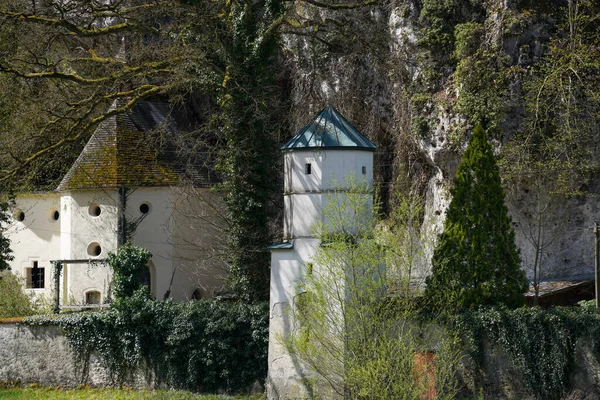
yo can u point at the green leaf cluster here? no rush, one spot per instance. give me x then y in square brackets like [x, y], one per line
[476, 261]
[248, 161]
[541, 344]
[129, 264]
[202, 346]
[13, 300]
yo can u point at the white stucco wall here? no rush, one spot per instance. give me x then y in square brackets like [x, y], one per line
[153, 233]
[37, 237]
[306, 195]
[305, 198]
[198, 232]
[287, 268]
[80, 230]
[185, 250]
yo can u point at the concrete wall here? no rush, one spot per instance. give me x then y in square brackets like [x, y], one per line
[41, 354]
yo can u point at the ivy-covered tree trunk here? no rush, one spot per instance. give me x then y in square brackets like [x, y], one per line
[5, 250]
[476, 261]
[249, 162]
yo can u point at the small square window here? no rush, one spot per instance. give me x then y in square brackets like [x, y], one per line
[35, 277]
[364, 170]
[309, 268]
[307, 168]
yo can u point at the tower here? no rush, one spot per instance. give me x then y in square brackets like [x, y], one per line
[318, 161]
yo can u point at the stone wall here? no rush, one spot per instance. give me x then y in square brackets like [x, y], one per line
[41, 354]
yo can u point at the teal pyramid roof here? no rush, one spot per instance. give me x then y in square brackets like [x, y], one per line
[329, 130]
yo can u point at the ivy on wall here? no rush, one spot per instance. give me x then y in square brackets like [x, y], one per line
[541, 343]
[202, 346]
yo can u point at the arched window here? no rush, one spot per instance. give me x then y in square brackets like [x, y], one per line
[93, 297]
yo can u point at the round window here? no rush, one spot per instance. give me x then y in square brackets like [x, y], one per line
[54, 215]
[94, 249]
[94, 210]
[144, 208]
[19, 215]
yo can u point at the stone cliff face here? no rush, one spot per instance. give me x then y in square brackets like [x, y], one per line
[418, 102]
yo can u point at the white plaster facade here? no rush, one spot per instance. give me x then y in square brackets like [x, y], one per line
[307, 190]
[177, 241]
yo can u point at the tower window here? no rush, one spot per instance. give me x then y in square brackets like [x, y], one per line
[35, 277]
[307, 168]
[364, 170]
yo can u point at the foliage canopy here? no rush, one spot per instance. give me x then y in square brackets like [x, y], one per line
[476, 261]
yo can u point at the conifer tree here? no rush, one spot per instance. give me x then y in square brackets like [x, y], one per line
[476, 261]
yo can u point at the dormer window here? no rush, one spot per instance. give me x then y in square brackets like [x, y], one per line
[307, 168]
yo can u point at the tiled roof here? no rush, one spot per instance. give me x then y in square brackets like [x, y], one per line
[557, 286]
[121, 152]
[329, 130]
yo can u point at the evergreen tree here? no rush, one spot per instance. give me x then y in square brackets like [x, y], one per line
[476, 261]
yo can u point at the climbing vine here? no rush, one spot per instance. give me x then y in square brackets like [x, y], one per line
[541, 344]
[128, 265]
[203, 346]
[249, 127]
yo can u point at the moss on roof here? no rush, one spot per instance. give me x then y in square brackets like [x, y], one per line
[120, 153]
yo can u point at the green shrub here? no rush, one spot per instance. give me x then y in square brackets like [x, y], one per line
[14, 302]
[202, 346]
[129, 264]
[467, 38]
[420, 127]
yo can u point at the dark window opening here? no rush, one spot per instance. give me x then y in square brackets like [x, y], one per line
[35, 277]
[20, 216]
[308, 168]
[364, 170]
[92, 297]
[55, 215]
[95, 210]
[145, 278]
[94, 249]
[144, 208]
